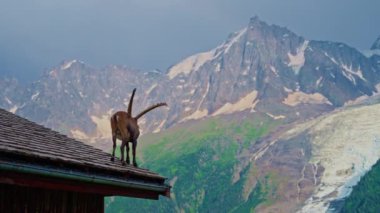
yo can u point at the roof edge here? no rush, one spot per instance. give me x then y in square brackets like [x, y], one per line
[163, 189]
[19, 154]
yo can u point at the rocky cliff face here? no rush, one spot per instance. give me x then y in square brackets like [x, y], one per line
[269, 69]
[78, 99]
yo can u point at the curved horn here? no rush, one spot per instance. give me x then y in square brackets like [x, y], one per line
[131, 102]
[149, 109]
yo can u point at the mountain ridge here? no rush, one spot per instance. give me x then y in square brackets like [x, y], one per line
[270, 68]
[264, 84]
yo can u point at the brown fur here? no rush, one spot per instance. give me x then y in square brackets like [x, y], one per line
[125, 128]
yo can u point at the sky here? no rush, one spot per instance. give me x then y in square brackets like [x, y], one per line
[36, 35]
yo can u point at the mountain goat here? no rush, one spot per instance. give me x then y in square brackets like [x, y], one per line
[125, 128]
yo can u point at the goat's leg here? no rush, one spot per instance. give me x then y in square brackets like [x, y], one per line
[134, 145]
[113, 147]
[127, 153]
[122, 152]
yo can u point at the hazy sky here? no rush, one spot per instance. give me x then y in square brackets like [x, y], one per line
[36, 35]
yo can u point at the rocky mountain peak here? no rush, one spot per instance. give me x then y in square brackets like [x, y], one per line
[67, 64]
[258, 26]
[258, 29]
[256, 21]
[376, 45]
[67, 69]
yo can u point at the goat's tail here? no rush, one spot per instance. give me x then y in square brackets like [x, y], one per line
[149, 109]
[131, 102]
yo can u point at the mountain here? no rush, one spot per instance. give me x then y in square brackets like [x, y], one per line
[255, 123]
[78, 99]
[278, 67]
[376, 44]
[261, 68]
[235, 164]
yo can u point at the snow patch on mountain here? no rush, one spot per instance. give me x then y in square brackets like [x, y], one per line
[53, 73]
[217, 68]
[68, 64]
[346, 144]
[246, 102]
[199, 113]
[192, 63]
[235, 39]
[331, 58]
[81, 94]
[349, 70]
[318, 82]
[76, 133]
[204, 95]
[7, 100]
[296, 98]
[158, 129]
[34, 96]
[196, 115]
[102, 125]
[275, 117]
[273, 69]
[13, 109]
[288, 90]
[151, 89]
[103, 128]
[298, 60]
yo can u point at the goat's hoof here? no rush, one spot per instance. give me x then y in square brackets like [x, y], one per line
[128, 162]
[112, 159]
[123, 163]
[135, 164]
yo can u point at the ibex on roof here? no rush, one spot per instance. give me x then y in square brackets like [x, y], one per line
[125, 128]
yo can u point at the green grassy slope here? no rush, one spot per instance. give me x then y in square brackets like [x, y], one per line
[199, 160]
[365, 196]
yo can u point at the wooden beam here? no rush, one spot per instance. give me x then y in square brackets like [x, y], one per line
[75, 186]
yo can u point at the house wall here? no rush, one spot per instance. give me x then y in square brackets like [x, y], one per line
[26, 199]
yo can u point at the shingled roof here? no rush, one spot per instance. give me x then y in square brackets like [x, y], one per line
[29, 148]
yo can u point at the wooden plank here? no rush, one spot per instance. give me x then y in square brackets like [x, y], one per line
[74, 186]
